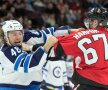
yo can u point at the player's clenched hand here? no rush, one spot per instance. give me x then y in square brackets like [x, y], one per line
[51, 40]
[26, 47]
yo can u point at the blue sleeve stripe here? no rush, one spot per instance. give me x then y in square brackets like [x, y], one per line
[45, 64]
[19, 60]
[51, 30]
[44, 36]
[27, 62]
[65, 76]
[37, 57]
[44, 69]
[68, 29]
[53, 86]
[65, 72]
[46, 31]
[63, 28]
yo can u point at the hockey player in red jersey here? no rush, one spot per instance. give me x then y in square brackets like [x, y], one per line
[89, 49]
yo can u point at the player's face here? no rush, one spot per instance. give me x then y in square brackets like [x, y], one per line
[94, 23]
[15, 38]
[91, 23]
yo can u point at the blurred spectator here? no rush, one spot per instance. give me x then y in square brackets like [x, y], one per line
[71, 17]
[37, 14]
[51, 20]
[62, 20]
[27, 24]
[9, 16]
[105, 3]
[3, 10]
[28, 6]
[19, 7]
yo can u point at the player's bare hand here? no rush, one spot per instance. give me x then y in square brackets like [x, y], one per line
[51, 41]
[26, 47]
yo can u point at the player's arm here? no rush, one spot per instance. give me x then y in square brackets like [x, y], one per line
[36, 59]
[60, 31]
[37, 37]
[40, 36]
[76, 30]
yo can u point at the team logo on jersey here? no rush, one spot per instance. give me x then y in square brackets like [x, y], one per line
[57, 72]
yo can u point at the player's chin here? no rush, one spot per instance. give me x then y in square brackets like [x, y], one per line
[17, 44]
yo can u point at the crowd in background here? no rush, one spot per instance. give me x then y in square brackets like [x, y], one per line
[39, 14]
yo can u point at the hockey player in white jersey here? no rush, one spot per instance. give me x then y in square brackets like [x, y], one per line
[20, 70]
[55, 75]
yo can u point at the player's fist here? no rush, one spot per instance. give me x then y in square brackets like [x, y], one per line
[51, 41]
[26, 47]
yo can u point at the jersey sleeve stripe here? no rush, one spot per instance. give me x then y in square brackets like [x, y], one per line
[44, 36]
[19, 60]
[27, 62]
[51, 30]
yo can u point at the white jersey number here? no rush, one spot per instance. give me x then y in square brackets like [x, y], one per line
[91, 50]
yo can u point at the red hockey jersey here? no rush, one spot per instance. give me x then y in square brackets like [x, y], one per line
[90, 51]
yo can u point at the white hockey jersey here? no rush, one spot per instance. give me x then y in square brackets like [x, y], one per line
[19, 69]
[54, 74]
